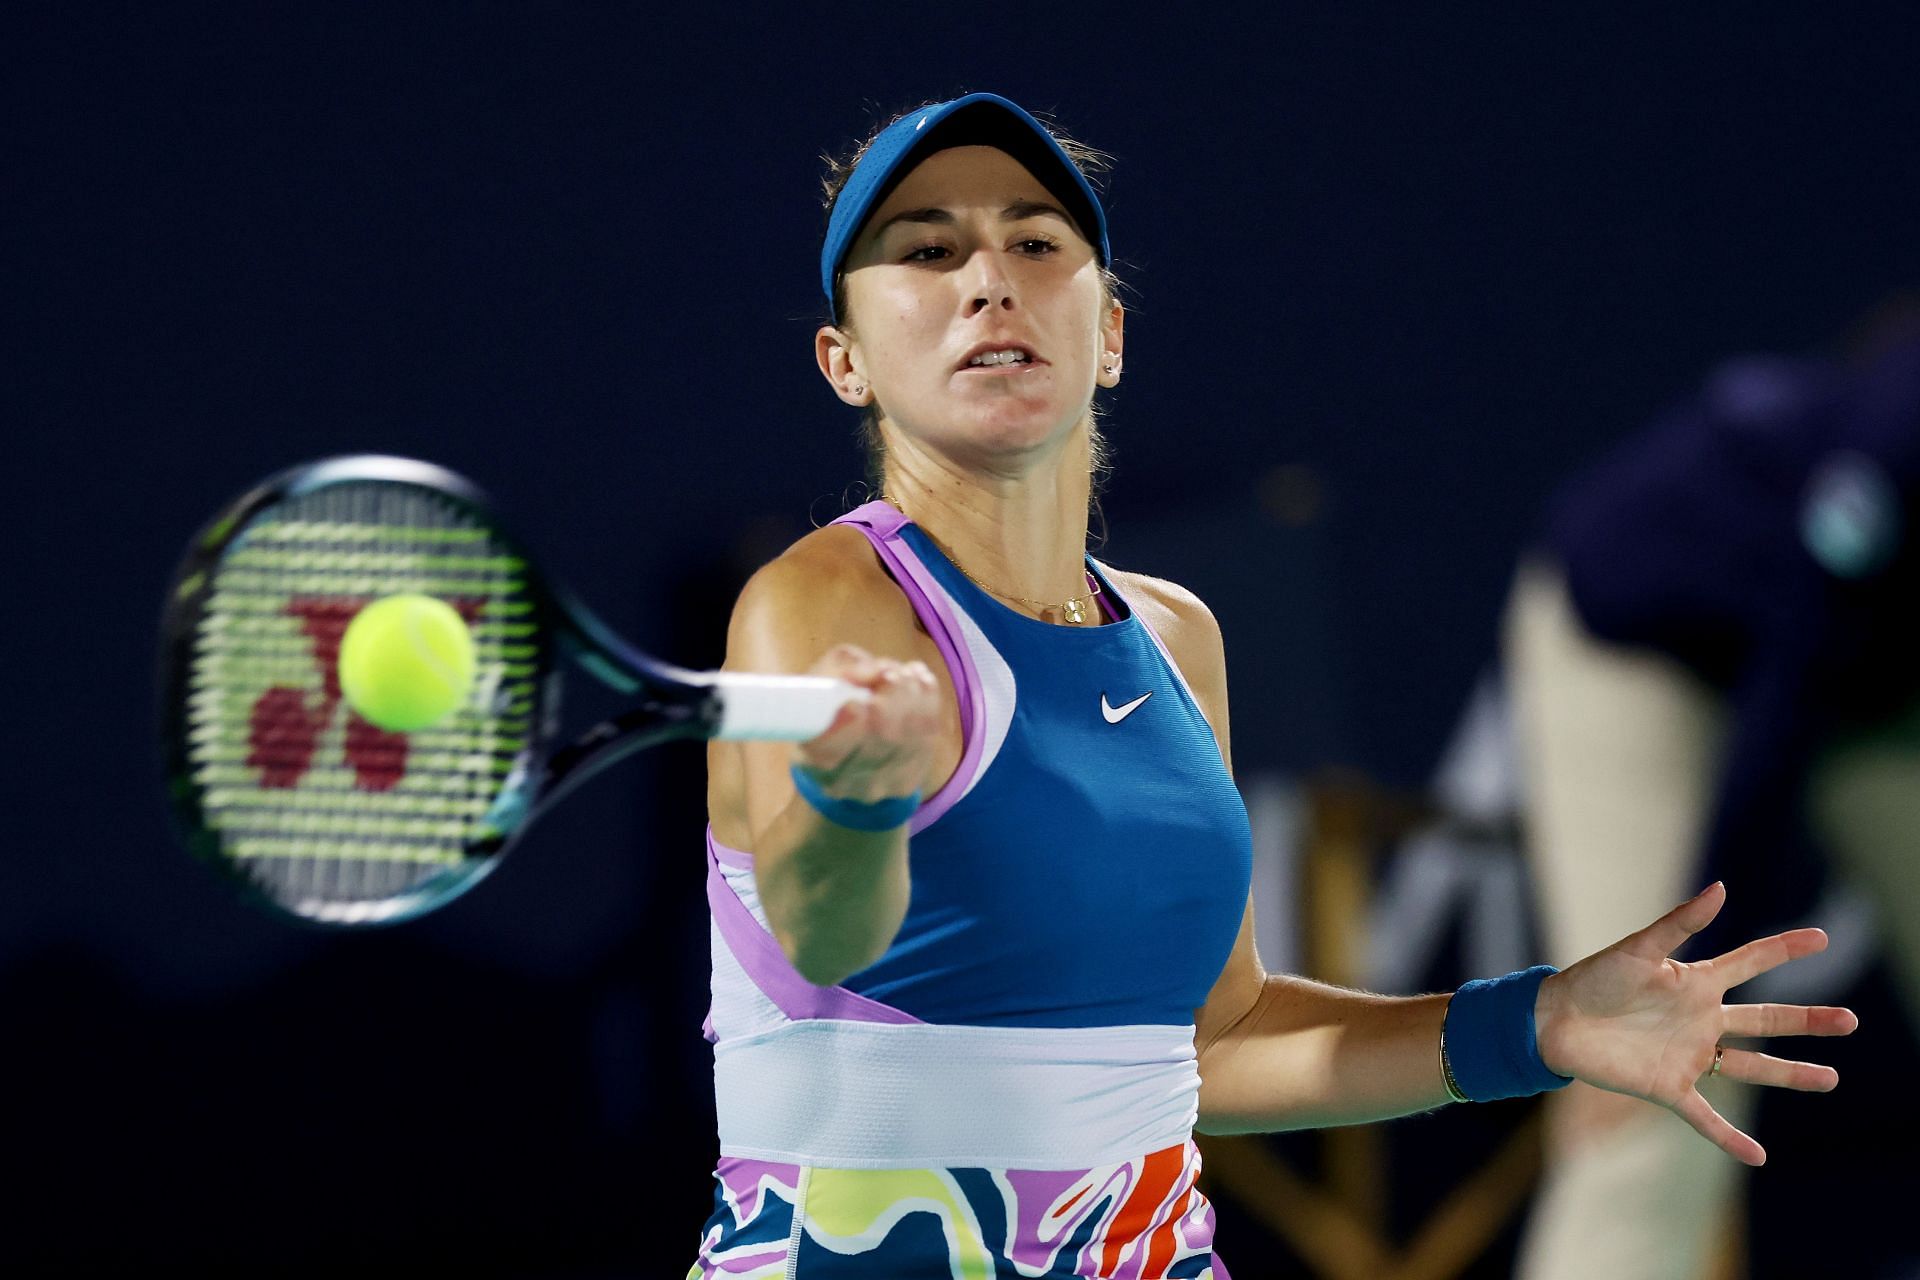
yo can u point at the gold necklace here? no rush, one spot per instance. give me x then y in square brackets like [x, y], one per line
[1074, 610]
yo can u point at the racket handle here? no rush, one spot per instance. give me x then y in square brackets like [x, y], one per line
[780, 708]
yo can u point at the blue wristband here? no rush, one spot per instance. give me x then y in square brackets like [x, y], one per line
[879, 815]
[1489, 1038]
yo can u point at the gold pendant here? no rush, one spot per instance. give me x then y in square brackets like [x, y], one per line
[1076, 612]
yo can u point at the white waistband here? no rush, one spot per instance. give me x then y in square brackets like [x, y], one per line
[864, 1095]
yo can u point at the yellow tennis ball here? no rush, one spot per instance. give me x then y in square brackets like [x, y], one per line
[406, 662]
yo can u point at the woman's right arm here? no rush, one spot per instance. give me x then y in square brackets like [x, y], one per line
[835, 896]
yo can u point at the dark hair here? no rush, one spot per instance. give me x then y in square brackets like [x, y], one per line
[1093, 163]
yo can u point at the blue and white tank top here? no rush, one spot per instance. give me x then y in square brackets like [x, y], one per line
[1076, 887]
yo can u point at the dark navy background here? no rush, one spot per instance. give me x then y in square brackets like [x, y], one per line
[1394, 272]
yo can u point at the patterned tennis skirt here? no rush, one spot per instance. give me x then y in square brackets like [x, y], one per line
[1141, 1219]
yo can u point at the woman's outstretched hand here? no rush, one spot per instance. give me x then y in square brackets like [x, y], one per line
[1636, 1021]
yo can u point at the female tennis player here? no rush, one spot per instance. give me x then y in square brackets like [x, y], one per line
[983, 955]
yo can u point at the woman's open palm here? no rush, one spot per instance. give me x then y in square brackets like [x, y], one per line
[1636, 1021]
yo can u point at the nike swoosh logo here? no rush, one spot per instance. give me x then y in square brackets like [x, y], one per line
[1114, 714]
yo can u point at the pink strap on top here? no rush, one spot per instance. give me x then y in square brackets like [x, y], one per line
[881, 523]
[758, 951]
[766, 965]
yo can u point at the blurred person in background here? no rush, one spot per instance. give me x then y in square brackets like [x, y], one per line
[1712, 656]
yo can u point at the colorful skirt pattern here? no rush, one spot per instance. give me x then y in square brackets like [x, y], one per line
[1141, 1219]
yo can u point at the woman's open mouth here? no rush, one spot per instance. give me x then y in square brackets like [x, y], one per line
[1003, 362]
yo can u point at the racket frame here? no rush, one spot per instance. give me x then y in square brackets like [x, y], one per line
[674, 702]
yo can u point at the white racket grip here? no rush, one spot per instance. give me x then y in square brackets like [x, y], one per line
[780, 708]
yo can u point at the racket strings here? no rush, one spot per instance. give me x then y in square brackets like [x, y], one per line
[328, 814]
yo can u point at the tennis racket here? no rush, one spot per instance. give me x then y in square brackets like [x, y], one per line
[277, 783]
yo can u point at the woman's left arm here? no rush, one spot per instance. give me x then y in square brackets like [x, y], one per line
[1280, 1052]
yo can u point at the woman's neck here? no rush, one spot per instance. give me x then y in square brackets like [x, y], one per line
[1021, 538]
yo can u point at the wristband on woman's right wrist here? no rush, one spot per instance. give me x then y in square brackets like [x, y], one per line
[859, 815]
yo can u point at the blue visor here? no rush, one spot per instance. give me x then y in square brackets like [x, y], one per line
[979, 119]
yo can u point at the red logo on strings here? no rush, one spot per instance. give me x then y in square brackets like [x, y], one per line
[284, 732]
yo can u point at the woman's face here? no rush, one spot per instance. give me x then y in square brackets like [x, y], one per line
[971, 251]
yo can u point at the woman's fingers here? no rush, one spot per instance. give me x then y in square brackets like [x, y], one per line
[1713, 1126]
[1663, 937]
[1788, 1020]
[881, 746]
[1759, 1068]
[1762, 954]
[1783, 1020]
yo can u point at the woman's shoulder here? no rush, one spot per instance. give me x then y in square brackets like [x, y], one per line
[834, 556]
[831, 576]
[1168, 606]
[1189, 630]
